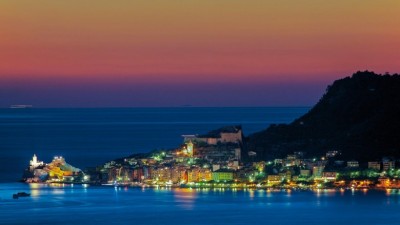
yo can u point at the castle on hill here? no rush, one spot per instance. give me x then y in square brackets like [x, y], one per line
[58, 170]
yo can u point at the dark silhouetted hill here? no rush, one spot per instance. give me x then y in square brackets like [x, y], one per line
[359, 115]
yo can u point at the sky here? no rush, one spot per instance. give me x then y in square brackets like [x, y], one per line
[132, 53]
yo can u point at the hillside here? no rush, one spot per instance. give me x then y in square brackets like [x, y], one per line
[359, 115]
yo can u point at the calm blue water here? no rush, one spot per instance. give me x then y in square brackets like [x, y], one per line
[107, 205]
[89, 137]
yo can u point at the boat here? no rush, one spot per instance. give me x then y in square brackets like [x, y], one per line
[21, 194]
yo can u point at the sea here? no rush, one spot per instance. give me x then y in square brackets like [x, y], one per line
[90, 137]
[82, 204]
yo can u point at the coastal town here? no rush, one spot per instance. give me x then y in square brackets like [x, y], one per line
[214, 160]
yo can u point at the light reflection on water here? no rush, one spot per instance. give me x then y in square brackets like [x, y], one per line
[123, 205]
[185, 197]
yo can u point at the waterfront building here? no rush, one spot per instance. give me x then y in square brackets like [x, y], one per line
[194, 175]
[329, 176]
[183, 176]
[384, 182]
[178, 175]
[245, 174]
[198, 174]
[205, 174]
[147, 172]
[137, 174]
[222, 175]
[162, 174]
[274, 179]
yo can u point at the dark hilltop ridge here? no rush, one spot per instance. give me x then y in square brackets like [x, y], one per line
[358, 115]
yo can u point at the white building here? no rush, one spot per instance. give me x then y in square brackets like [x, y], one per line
[34, 163]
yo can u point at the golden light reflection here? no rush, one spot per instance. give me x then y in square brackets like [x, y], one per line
[269, 194]
[34, 189]
[251, 194]
[185, 197]
[318, 192]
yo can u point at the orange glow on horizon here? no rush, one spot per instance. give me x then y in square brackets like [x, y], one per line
[175, 40]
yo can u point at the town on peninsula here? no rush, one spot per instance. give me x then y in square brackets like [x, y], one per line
[213, 160]
[350, 139]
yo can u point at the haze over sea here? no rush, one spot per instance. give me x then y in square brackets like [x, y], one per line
[91, 136]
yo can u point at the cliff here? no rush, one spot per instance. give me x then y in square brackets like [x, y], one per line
[358, 115]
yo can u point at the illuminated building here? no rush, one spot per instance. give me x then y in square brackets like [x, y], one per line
[219, 145]
[274, 179]
[222, 175]
[137, 174]
[58, 169]
[189, 148]
[178, 175]
[161, 174]
[193, 175]
[198, 174]
[329, 176]
[205, 174]
[34, 163]
[229, 134]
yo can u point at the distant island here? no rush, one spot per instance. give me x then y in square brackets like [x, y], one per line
[20, 106]
[350, 139]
